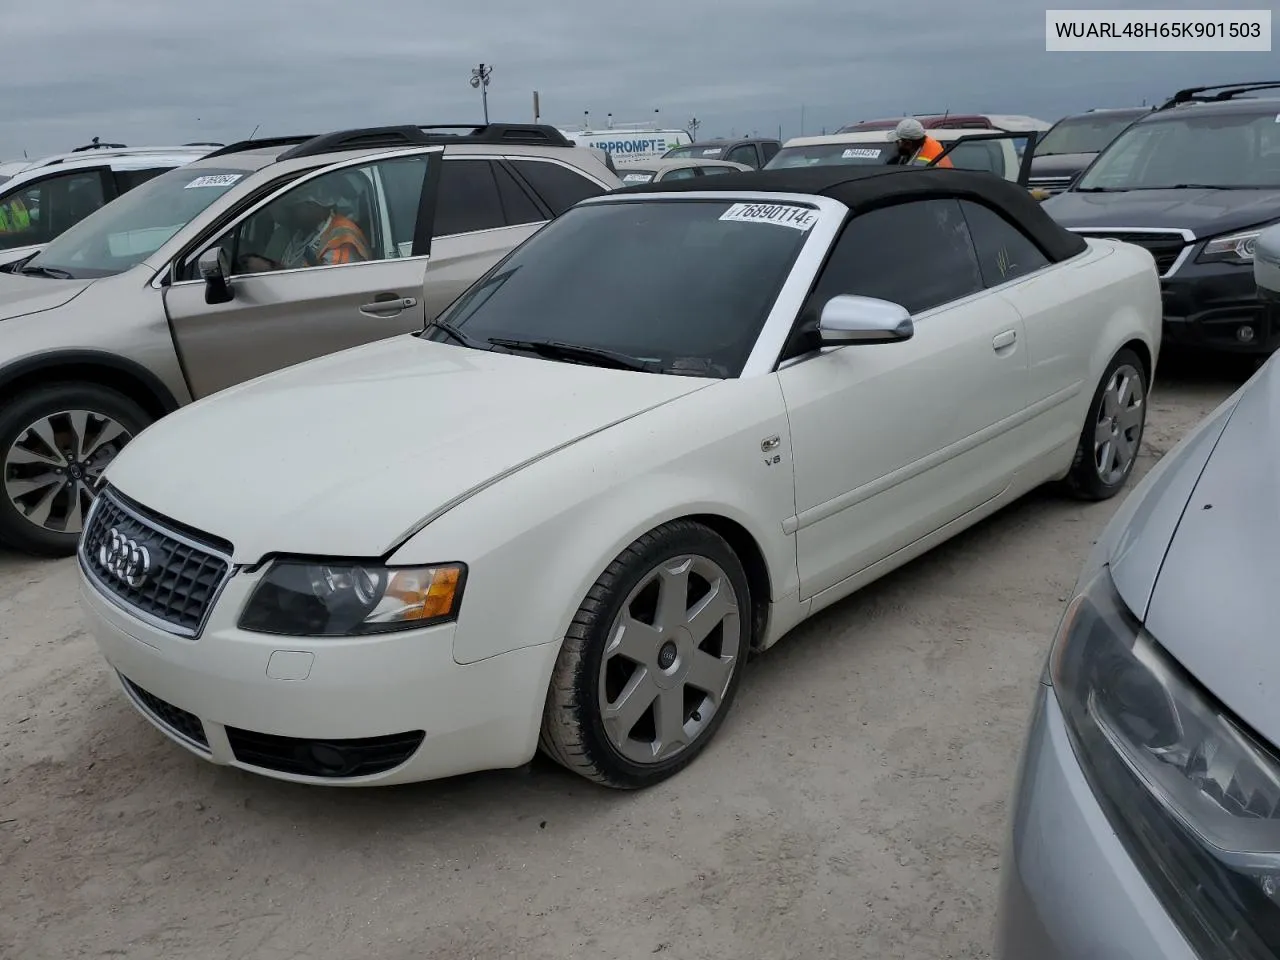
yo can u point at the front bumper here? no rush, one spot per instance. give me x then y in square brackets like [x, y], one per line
[1068, 889]
[385, 709]
[1215, 306]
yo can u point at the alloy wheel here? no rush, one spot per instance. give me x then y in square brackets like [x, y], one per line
[50, 470]
[1118, 430]
[671, 654]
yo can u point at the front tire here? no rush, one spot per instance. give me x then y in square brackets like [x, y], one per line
[55, 442]
[652, 661]
[1112, 434]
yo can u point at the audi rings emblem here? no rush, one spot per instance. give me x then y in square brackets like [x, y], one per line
[126, 560]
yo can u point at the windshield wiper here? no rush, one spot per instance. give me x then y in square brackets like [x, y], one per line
[555, 350]
[52, 272]
[1101, 189]
[450, 330]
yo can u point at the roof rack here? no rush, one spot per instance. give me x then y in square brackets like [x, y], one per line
[241, 146]
[97, 145]
[413, 135]
[1226, 91]
[203, 143]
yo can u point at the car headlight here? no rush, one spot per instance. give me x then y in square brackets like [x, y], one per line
[1233, 248]
[1193, 796]
[300, 598]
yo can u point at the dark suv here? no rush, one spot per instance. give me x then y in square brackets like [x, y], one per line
[1072, 143]
[1194, 182]
[755, 152]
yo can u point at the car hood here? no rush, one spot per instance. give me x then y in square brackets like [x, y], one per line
[1204, 212]
[345, 455]
[21, 295]
[1060, 164]
[1214, 606]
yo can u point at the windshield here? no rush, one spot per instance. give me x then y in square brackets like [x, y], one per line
[695, 151]
[825, 154]
[127, 230]
[1088, 134]
[634, 175]
[683, 285]
[1224, 150]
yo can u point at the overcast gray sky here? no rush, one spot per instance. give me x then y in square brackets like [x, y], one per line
[162, 71]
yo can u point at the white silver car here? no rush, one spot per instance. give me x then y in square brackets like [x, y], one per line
[41, 199]
[663, 431]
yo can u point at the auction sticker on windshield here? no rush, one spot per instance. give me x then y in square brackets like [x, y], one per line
[214, 180]
[785, 214]
[869, 152]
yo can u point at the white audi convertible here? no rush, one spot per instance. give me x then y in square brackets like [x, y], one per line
[662, 432]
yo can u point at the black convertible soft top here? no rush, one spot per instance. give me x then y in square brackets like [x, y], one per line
[866, 188]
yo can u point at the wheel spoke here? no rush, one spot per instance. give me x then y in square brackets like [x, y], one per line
[625, 712]
[1124, 451]
[79, 420]
[21, 488]
[1111, 400]
[669, 721]
[673, 595]
[710, 674]
[1102, 433]
[708, 612]
[39, 514]
[1131, 417]
[1106, 453]
[636, 641]
[44, 430]
[106, 434]
[22, 456]
[75, 509]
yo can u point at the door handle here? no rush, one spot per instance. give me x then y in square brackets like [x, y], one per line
[1005, 339]
[389, 306]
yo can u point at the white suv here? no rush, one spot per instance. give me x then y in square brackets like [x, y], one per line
[40, 199]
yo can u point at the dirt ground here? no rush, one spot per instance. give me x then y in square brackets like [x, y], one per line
[853, 805]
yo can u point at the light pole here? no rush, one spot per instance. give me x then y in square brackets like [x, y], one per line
[480, 78]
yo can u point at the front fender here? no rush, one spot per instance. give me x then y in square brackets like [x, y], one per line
[537, 541]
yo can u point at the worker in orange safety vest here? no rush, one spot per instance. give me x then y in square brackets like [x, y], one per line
[915, 147]
[323, 235]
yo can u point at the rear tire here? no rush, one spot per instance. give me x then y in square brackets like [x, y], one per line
[1112, 434]
[652, 661]
[55, 442]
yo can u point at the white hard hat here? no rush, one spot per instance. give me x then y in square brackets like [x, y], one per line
[909, 129]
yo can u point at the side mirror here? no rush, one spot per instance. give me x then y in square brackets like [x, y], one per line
[215, 271]
[1266, 263]
[848, 319]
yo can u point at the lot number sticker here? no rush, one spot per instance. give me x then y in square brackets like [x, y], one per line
[214, 180]
[870, 152]
[787, 215]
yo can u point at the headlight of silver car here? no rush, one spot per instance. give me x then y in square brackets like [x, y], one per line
[1193, 795]
[300, 598]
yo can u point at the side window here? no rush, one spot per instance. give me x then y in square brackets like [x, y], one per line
[518, 206]
[1004, 252]
[126, 180]
[744, 153]
[559, 187]
[681, 173]
[468, 198]
[712, 171]
[334, 219]
[770, 150]
[917, 254]
[984, 155]
[37, 212]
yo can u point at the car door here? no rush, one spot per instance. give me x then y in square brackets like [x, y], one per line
[285, 314]
[482, 212]
[39, 210]
[892, 441]
[1062, 324]
[745, 153]
[992, 153]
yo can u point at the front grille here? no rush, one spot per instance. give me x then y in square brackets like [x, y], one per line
[186, 725]
[168, 577]
[332, 759]
[1165, 247]
[1051, 185]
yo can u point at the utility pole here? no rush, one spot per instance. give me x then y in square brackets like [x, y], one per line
[537, 109]
[693, 125]
[480, 79]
